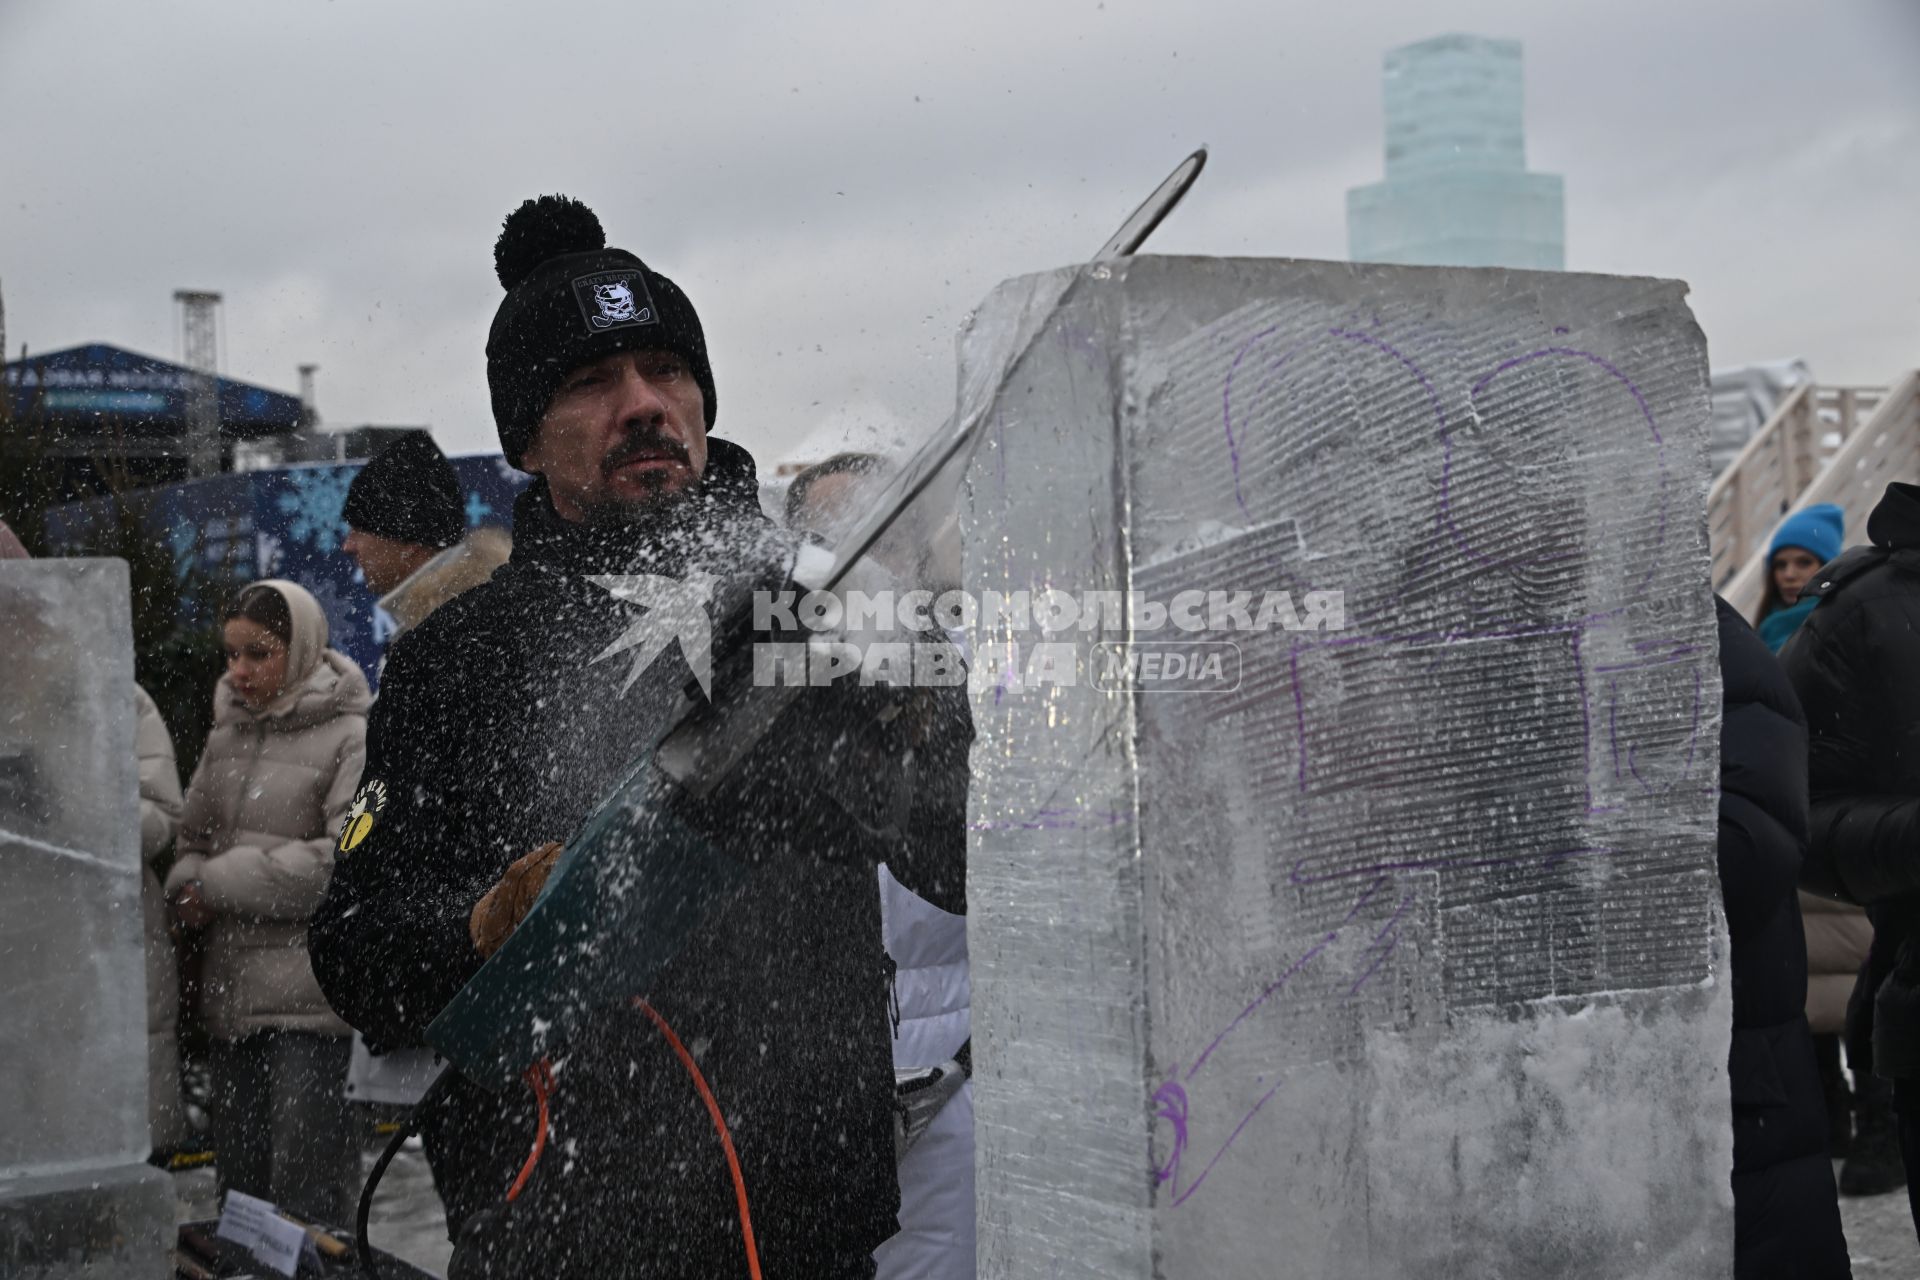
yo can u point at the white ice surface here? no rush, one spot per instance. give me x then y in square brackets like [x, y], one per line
[1404, 955]
[73, 1039]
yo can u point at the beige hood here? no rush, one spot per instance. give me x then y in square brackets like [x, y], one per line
[321, 683]
[310, 633]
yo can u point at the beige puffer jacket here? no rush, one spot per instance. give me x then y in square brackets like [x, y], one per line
[1838, 935]
[270, 793]
[159, 818]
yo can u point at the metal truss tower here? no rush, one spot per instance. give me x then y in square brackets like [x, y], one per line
[200, 351]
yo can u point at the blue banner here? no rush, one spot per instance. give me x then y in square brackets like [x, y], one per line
[284, 523]
[81, 384]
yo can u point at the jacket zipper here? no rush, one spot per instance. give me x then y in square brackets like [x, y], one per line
[232, 815]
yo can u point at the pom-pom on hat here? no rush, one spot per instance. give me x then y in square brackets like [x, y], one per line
[571, 300]
[408, 492]
[1820, 529]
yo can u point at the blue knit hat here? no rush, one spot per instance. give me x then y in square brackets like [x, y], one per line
[1821, 529]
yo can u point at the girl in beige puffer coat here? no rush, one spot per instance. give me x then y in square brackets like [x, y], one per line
[255, 854]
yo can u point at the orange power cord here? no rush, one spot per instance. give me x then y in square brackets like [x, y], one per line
[719, 1127]
[539, 1078]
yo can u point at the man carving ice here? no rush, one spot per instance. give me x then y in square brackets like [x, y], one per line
[495, 735]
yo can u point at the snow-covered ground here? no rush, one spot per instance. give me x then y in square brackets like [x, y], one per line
[1879, 1234]
[406, 1220]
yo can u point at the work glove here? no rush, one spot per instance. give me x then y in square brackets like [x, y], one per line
[505, 905]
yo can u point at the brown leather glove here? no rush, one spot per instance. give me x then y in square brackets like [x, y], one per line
[505, 905]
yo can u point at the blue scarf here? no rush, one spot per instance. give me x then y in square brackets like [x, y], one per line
[1778, 627]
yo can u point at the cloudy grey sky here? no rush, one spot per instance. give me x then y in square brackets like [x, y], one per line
[837, 185]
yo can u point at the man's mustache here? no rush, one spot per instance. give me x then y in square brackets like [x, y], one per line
[651, 446]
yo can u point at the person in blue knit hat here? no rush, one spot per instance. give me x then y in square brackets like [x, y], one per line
[1805, 541]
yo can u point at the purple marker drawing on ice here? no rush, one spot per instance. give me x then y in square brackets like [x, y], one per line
[1360, 903]
[1170, 1103]
[1170, 1172]
[1444, 516]
[1648, 664]
[1171, 1100]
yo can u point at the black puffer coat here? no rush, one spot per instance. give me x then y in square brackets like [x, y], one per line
[496, 730]
[1855, 663]
[1786, 1212]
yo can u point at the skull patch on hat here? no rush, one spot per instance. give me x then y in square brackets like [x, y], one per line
[613, 299]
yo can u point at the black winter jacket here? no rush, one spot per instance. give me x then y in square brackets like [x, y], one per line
[1855, 664]
[497, 730]
[1786, 1214]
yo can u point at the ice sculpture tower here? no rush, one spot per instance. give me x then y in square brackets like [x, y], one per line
[1379, 944]
[1457, 191]
[77, 1197]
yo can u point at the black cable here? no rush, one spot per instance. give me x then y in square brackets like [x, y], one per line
[407, 1130]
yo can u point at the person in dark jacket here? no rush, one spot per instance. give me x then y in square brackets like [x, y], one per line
[1786, 1211]
[507, 715]
[407, 531]
[1856, 667]
[1860, 1118]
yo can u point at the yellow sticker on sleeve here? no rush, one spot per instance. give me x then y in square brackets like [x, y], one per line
[367, 808]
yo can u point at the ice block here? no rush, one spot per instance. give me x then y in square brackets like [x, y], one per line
[1369, 926]
[75, 1194]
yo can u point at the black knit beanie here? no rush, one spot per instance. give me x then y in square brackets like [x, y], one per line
[571, 300]
[408, 492]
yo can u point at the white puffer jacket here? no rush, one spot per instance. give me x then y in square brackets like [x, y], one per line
[932, 998]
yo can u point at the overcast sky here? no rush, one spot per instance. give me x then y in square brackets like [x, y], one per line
[835, 193]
